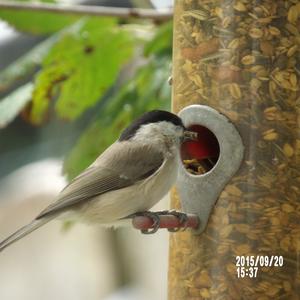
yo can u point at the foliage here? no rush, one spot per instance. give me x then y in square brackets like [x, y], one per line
[35, 22]
[13, 104]
[147, 90]
[78, 69]
[87, 62]
[27, 64]
[161, 44]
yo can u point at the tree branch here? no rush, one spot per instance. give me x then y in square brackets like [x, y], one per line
[154, 14]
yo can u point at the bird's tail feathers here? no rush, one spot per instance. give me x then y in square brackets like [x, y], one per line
[35, 224]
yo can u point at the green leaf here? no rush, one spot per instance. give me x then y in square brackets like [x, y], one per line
[161, 44]
[11, 105]
[36, 22]
[146, 91]
[80, 68]
[27, 64]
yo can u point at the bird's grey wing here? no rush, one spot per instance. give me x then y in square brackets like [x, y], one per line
[115, 169]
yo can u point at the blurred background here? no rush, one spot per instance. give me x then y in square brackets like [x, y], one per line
[68, 86]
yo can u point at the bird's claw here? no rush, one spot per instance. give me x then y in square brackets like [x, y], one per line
[154, 216]
[183, 220]
[182, 217]
[156, 222]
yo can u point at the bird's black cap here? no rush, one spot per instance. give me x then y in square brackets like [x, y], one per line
[153, 116]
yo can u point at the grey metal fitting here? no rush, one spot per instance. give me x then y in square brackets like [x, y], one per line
[199, 193]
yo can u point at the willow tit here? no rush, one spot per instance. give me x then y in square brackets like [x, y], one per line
[130, 176]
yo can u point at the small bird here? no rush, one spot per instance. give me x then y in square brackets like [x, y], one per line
[128, 178]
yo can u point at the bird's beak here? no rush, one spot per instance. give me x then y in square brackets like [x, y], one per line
[190, 136]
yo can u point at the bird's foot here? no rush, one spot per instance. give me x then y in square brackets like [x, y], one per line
[154, 216]
[183, 220]
[156, 220]
[182, 217]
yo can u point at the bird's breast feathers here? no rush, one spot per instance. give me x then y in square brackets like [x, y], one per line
[138, 197]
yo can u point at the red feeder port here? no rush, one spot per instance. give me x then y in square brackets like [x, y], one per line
[200, 156]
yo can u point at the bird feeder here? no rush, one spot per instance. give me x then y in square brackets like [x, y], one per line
[241, 59]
